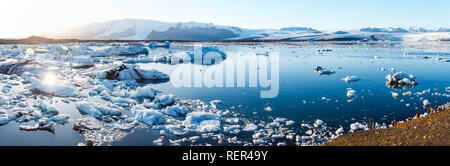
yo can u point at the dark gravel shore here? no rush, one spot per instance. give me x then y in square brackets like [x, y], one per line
[432, 130]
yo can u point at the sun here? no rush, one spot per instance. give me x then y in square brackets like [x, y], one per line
[49, 78]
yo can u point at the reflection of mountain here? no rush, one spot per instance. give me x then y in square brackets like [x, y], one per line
[136, 29]
[194, 33]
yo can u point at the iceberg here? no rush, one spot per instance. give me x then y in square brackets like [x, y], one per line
[351, 79]
[350, 92]
[144, 92]
[123, 72]
[400, 80]
[195, 118]
[176, 110]
[82, 62]
[208, 126]
[250, 127]
[153, 44]
[55, 89]
[150, 117]
[131, 50]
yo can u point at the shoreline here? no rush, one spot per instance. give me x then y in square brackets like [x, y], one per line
[431, 130]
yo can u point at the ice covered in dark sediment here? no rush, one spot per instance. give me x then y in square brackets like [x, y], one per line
[126, 72]
[18, 67]
[323, 71]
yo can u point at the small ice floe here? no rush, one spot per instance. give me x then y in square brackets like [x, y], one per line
[130, 50]
[97, 110]
[154, 44]
[176, 110]
[339, 131]
[391, 69]
[357, 126]
[202, 121]
[376, 57]
[250, 127]
[268, 109]
[409, 93]
[4, 119]
[351, 79]
[401, 81]
[124, 72]
[447, 89]
[426, 103]
[318, 123]
[144, 92]
[150, 117]
[394, 95]
[350, 92]
[47, 108]
[42, 125]
[89, 123]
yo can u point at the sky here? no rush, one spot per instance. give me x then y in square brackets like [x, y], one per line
[21, 18]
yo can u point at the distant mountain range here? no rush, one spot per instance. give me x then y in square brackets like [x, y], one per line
[139, 29]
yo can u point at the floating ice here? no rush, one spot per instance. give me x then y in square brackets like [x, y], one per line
[153, 44]
[127, 51]
[150, 117]
[250, 127]
[56, 89]
[426, 103]
[351, 79]
[400, 81]
[194, 120]
[208, 126]
[47, 108]
[89, 123]
[88, 108]
[394, 95]
[326, 72]
[82, 62]
[350, 92]
[128, 73]
[268, 109]
[145, 92]
[176, 110]
[4, 119]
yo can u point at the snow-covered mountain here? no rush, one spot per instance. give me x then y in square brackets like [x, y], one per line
[140, 29]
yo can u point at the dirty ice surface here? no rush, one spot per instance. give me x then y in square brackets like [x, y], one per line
[121, 94]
